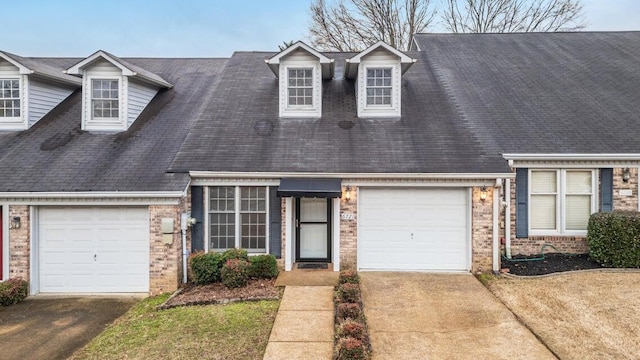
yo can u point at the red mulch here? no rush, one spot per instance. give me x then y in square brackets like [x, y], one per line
[220, 294]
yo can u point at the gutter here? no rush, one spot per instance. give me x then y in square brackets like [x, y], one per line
[91, 195]
[278, 175]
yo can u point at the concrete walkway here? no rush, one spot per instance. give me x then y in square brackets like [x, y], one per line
[303, 328]
[442, 316]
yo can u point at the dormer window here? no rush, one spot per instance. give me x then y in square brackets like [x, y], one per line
[300, 71]
[379, 86]
[104, 99]
[377, 72]
[9, 98]
[300, 88]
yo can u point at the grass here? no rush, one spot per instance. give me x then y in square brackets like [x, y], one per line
[579, 315]
[234, 331]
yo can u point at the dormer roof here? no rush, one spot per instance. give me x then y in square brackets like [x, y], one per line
[352, 64]
[127, 68]
[325, 62]
[34, 67]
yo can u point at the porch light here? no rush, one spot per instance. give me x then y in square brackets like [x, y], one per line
[347, 194]
[483, 194]
[15, 222]
[626, 175]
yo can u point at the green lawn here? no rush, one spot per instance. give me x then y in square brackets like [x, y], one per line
[234, 331]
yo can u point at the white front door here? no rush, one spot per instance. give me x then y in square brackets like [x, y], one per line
[93, 249]
[313, 229]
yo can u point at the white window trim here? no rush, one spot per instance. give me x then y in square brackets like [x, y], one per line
[561, 176]
[366, 87]
[119, 99]
[18, 122]
[366, 110]
[207, 217]
[104, 124]
[313, 78]
[313, 111]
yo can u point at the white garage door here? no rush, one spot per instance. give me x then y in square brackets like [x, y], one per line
[97, 249]
[413, 229]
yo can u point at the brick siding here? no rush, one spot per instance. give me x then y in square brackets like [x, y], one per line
[19, 243]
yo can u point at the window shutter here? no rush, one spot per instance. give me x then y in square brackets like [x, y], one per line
[275, 222]
[522, 217]
[606, 190]
[197, 212]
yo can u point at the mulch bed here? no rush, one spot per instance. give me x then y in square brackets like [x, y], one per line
[220, 294]
[552, 263]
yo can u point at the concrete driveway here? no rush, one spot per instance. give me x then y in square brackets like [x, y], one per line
[53, 327]
[442, 316]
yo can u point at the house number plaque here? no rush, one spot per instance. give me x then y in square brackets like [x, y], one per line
[347, 216]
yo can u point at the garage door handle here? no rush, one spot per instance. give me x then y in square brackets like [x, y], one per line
[94, 257]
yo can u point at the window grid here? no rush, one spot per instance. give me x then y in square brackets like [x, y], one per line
[104, 98]
[9, 98]
[379, 86]
[238, 218]
[300, 87]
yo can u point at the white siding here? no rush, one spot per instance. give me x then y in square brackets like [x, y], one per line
[6, 68]
[139, 96]
[43, 97]
[300, 59]
[379, 58]
[102, 70]
[10, 71]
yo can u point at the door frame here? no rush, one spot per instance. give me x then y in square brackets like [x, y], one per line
[329, 221]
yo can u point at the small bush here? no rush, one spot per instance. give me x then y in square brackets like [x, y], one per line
[349, 311]
[13, 291]
[206, 267]
[351, 328]
[349, 277]
[614, 239]
[235, 273]
[240, 254]
[348, 293]
[263, 267]
[351, 349]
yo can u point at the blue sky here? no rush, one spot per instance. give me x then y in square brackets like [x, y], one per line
[193, 28]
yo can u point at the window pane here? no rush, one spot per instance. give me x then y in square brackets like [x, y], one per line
[543, 212]
[300, 87]
[253, 218]
[579, 182]
[578, 208]
[544, 182]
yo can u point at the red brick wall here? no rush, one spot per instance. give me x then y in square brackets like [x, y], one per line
[349, 230]
[19, 243]
[482, 231]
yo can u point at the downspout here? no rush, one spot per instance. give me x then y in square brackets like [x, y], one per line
[496, 230]
[507, 217]
[186, 221]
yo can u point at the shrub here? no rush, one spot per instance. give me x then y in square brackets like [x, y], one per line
[351, 349]
[349, 277]
[13, 291]
[614, 239]
[349, 311]
[351, 328]
[206, 267]
[263, 267]
[240, 254]
[348, 293]
[235, 273]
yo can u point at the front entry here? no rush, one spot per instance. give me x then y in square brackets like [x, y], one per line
[313, 229]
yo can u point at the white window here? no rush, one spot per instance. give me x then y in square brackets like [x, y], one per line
[379, 86]
[104, 99]
[300, 87]
[561, 201]
[238, 218]
[9, 98]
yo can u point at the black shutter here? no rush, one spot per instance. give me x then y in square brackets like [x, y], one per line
[275, 222]
[197, 212]
[522, 208]
[606, 190]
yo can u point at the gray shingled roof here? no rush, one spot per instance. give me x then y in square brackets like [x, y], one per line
[55, 155]
[544, 92]
[243, 132]
[43, 69]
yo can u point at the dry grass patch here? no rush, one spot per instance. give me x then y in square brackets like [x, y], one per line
[579, 315]
[234, 331]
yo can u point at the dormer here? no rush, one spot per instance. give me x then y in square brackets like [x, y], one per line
[300, 70]
[114, 91]
[378, 74]
[29, 89]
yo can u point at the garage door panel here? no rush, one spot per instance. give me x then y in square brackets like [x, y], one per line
[96, 249]
[413, 229]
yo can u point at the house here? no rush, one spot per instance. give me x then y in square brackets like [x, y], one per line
[378, 160]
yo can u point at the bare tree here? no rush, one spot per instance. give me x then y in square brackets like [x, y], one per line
[353, 25]
[285, 44]
[484, 16]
